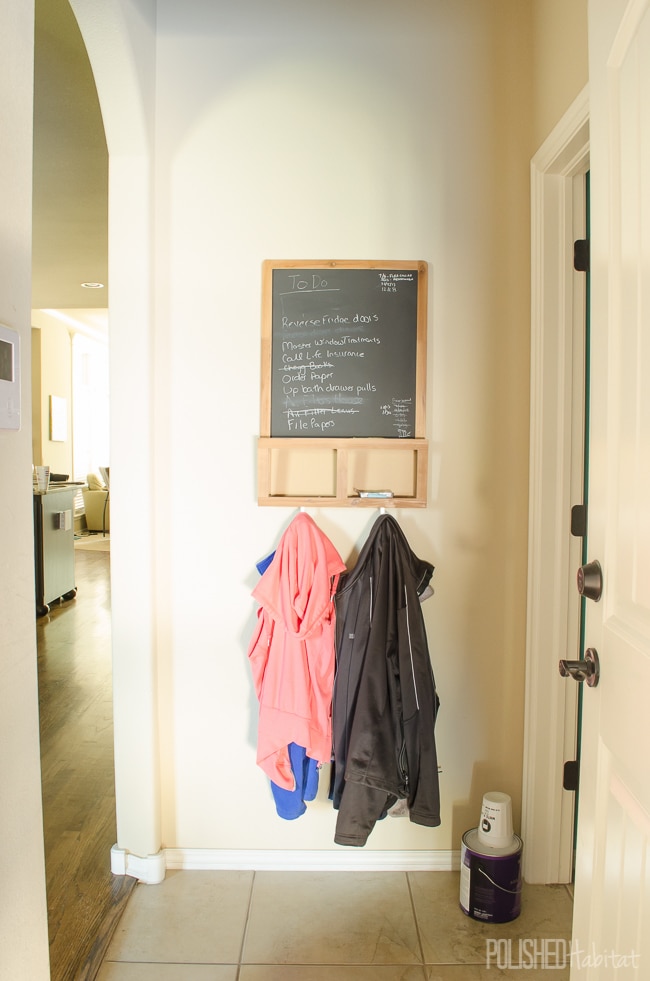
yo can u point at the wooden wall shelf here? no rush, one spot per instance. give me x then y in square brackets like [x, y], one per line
[324, 472]
[343, 352]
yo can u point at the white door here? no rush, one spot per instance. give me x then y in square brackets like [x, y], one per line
[611, 930]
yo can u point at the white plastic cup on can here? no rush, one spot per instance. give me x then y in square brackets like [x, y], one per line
[495, 826]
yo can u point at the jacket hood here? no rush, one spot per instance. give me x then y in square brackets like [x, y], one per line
[387, 534]
[297, 587]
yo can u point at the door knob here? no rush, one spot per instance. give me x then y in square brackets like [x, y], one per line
[584, 670]
[590, 580]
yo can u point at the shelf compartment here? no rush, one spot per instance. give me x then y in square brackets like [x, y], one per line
[325, 472]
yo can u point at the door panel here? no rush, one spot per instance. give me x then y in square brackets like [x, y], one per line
[612, 893]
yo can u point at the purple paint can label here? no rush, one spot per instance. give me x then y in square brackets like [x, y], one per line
[490, 879]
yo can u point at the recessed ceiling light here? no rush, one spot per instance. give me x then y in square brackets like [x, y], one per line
[93, 286]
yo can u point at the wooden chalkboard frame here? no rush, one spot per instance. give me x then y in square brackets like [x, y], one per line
[341, 445]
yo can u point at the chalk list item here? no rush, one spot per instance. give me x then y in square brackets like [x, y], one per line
[344, 350]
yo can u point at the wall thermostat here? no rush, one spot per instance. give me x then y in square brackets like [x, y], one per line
[9, 378]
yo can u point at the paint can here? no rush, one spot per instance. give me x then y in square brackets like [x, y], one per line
[490, 879]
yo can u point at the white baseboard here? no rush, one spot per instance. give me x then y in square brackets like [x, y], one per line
[291, 860]
[151, 869]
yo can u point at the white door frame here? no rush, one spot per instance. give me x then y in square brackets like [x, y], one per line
[553, 556]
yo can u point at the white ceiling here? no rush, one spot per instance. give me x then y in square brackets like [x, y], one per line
[70, 230]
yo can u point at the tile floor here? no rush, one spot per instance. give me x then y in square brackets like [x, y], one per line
[330, 926]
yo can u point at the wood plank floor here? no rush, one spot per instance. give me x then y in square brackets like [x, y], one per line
[84, 898]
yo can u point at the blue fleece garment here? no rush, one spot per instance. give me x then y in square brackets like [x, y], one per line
[263, 564]
[290, 804]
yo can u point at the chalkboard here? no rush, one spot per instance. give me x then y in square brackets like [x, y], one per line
[344, 349]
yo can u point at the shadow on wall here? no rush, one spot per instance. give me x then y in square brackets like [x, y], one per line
[467, 814]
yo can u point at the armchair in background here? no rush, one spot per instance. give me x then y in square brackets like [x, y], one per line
[96, 504]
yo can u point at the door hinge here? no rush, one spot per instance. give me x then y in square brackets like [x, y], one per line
[581, 255]
[571, 775]
[579, 520]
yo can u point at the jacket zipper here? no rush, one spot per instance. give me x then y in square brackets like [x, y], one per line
[402, 766]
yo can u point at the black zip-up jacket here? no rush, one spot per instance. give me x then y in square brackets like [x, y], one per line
[385, 701]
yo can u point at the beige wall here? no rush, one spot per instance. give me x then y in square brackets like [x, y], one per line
[379, 131]
[561, 67]
[405, 135]
[23, 917]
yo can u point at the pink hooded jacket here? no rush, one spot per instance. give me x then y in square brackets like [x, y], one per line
[292, 651]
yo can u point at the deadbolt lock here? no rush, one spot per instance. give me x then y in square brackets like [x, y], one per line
[590, 580]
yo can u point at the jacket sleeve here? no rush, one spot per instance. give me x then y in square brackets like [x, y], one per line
[361, 807]
[258, 649]
[420, 709]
